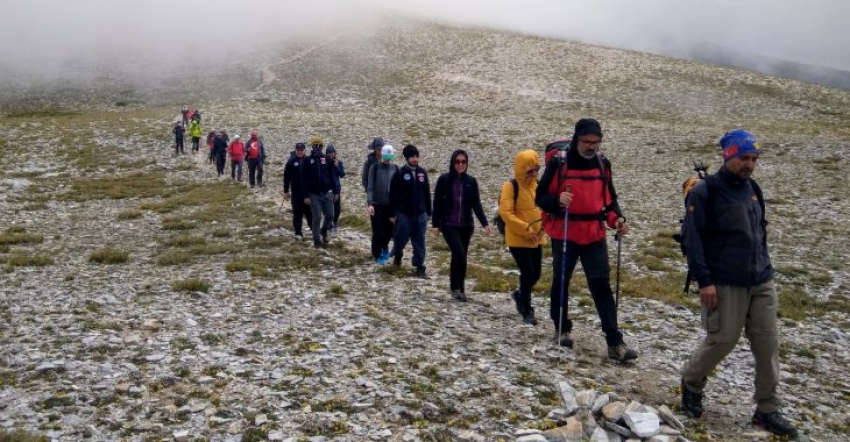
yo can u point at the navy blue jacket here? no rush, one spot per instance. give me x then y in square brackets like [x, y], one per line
[410, 192]
[725, 234]
[318, 174]
[293, 176]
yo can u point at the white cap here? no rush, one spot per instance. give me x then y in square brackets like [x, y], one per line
[236, 137]
[387, 150]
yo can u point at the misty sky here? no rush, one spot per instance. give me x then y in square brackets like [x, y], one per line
[45, 37]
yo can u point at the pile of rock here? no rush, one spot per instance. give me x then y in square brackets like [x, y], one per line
[605, 417]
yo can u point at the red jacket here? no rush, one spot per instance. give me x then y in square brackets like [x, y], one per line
[236, 150]
[594, 202]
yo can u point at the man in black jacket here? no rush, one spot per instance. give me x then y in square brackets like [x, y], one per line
[293, 180]
[726, 242]
[410, 208]
[318, 180]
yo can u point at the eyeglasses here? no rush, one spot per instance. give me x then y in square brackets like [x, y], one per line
[534, 170]
[460, 161]
[592, 143]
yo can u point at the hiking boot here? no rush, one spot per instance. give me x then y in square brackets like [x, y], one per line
[318, 245]
[515, 297]
[459, 295]
[775, 423]
[622, 352]
[420, 272]
[563, 339]
[528, 317]
[325, 238]
[397, 260]
[692, 402]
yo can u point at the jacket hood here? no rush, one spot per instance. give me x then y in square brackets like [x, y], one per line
[452, 171]
[525, 160]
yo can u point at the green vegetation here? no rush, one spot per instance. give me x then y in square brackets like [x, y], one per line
[21, 259]
[19, 235]
[21, 436]
[190, 285]
[109, 256]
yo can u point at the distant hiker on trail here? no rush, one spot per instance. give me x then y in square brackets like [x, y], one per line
[578, 181]
[220, 152]
[318, 179]
[410, 208]
[339, 166]
[196, 116]
[210, 139]
[179, 134]
[456, 198]
[195, 132]
[236, 150]
[255, 153]
[293, 181]
[373, 157]
[184, 114]
[378, 180]
[523, 232]
[725, 238]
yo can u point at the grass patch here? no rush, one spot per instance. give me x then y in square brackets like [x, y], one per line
[353, 221]
[26, 260]
[190, 285]
[130, 215]
[138, 185]
[488, 280]
[174, 257]
[177, 224]
[259, 267]
[21, 436]
[19, 235]
[109, 256]
[185, 241]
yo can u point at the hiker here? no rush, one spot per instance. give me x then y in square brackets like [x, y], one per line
[523, 232]
[373, 157]
[578, 181]
[196, 116]
[379, 177]
[220, 152]
[255, 153]
[195, 132]
[184, 114]
[293, 180]
[725, 237]
[410, 208]
[210, 140]
[236, 150]
[179, 133]
[339, 172]
[318, 180]
[456, 197]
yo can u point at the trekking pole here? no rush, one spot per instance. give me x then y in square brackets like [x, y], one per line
[619, 240]
[563, 279]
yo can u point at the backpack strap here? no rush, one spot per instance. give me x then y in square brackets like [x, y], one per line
[516, 190]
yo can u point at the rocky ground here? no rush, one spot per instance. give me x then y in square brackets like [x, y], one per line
[143, 298]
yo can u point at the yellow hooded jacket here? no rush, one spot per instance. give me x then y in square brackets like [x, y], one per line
[523, 218]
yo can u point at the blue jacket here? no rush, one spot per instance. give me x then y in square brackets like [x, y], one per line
[339, 172]
[724, 233]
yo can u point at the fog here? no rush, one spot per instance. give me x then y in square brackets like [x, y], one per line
[56, 39]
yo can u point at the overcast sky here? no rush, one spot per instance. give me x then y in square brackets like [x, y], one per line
[42, 36]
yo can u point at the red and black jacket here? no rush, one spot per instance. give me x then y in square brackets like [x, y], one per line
[594, 202]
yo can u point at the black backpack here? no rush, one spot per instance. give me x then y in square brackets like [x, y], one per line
[497, 220]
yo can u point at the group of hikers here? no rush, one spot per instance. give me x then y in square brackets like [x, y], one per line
[573, 204]
[191, 121]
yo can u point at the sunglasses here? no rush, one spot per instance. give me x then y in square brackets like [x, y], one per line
[460, 161]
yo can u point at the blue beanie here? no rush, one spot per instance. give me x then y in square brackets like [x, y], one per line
[738, 142]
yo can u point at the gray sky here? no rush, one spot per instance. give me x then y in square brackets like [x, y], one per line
[48, 37]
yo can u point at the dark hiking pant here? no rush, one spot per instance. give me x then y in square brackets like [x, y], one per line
[382, 229]
[219, 164]
[322, 206]
[255, 172]
[196, 144]
[457, 238]
[528, 260]
[410, 228]
[236, 169]
[178, 148]
[300, 211]
[594, 261]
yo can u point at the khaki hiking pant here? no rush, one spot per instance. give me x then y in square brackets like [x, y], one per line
[738, 308]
